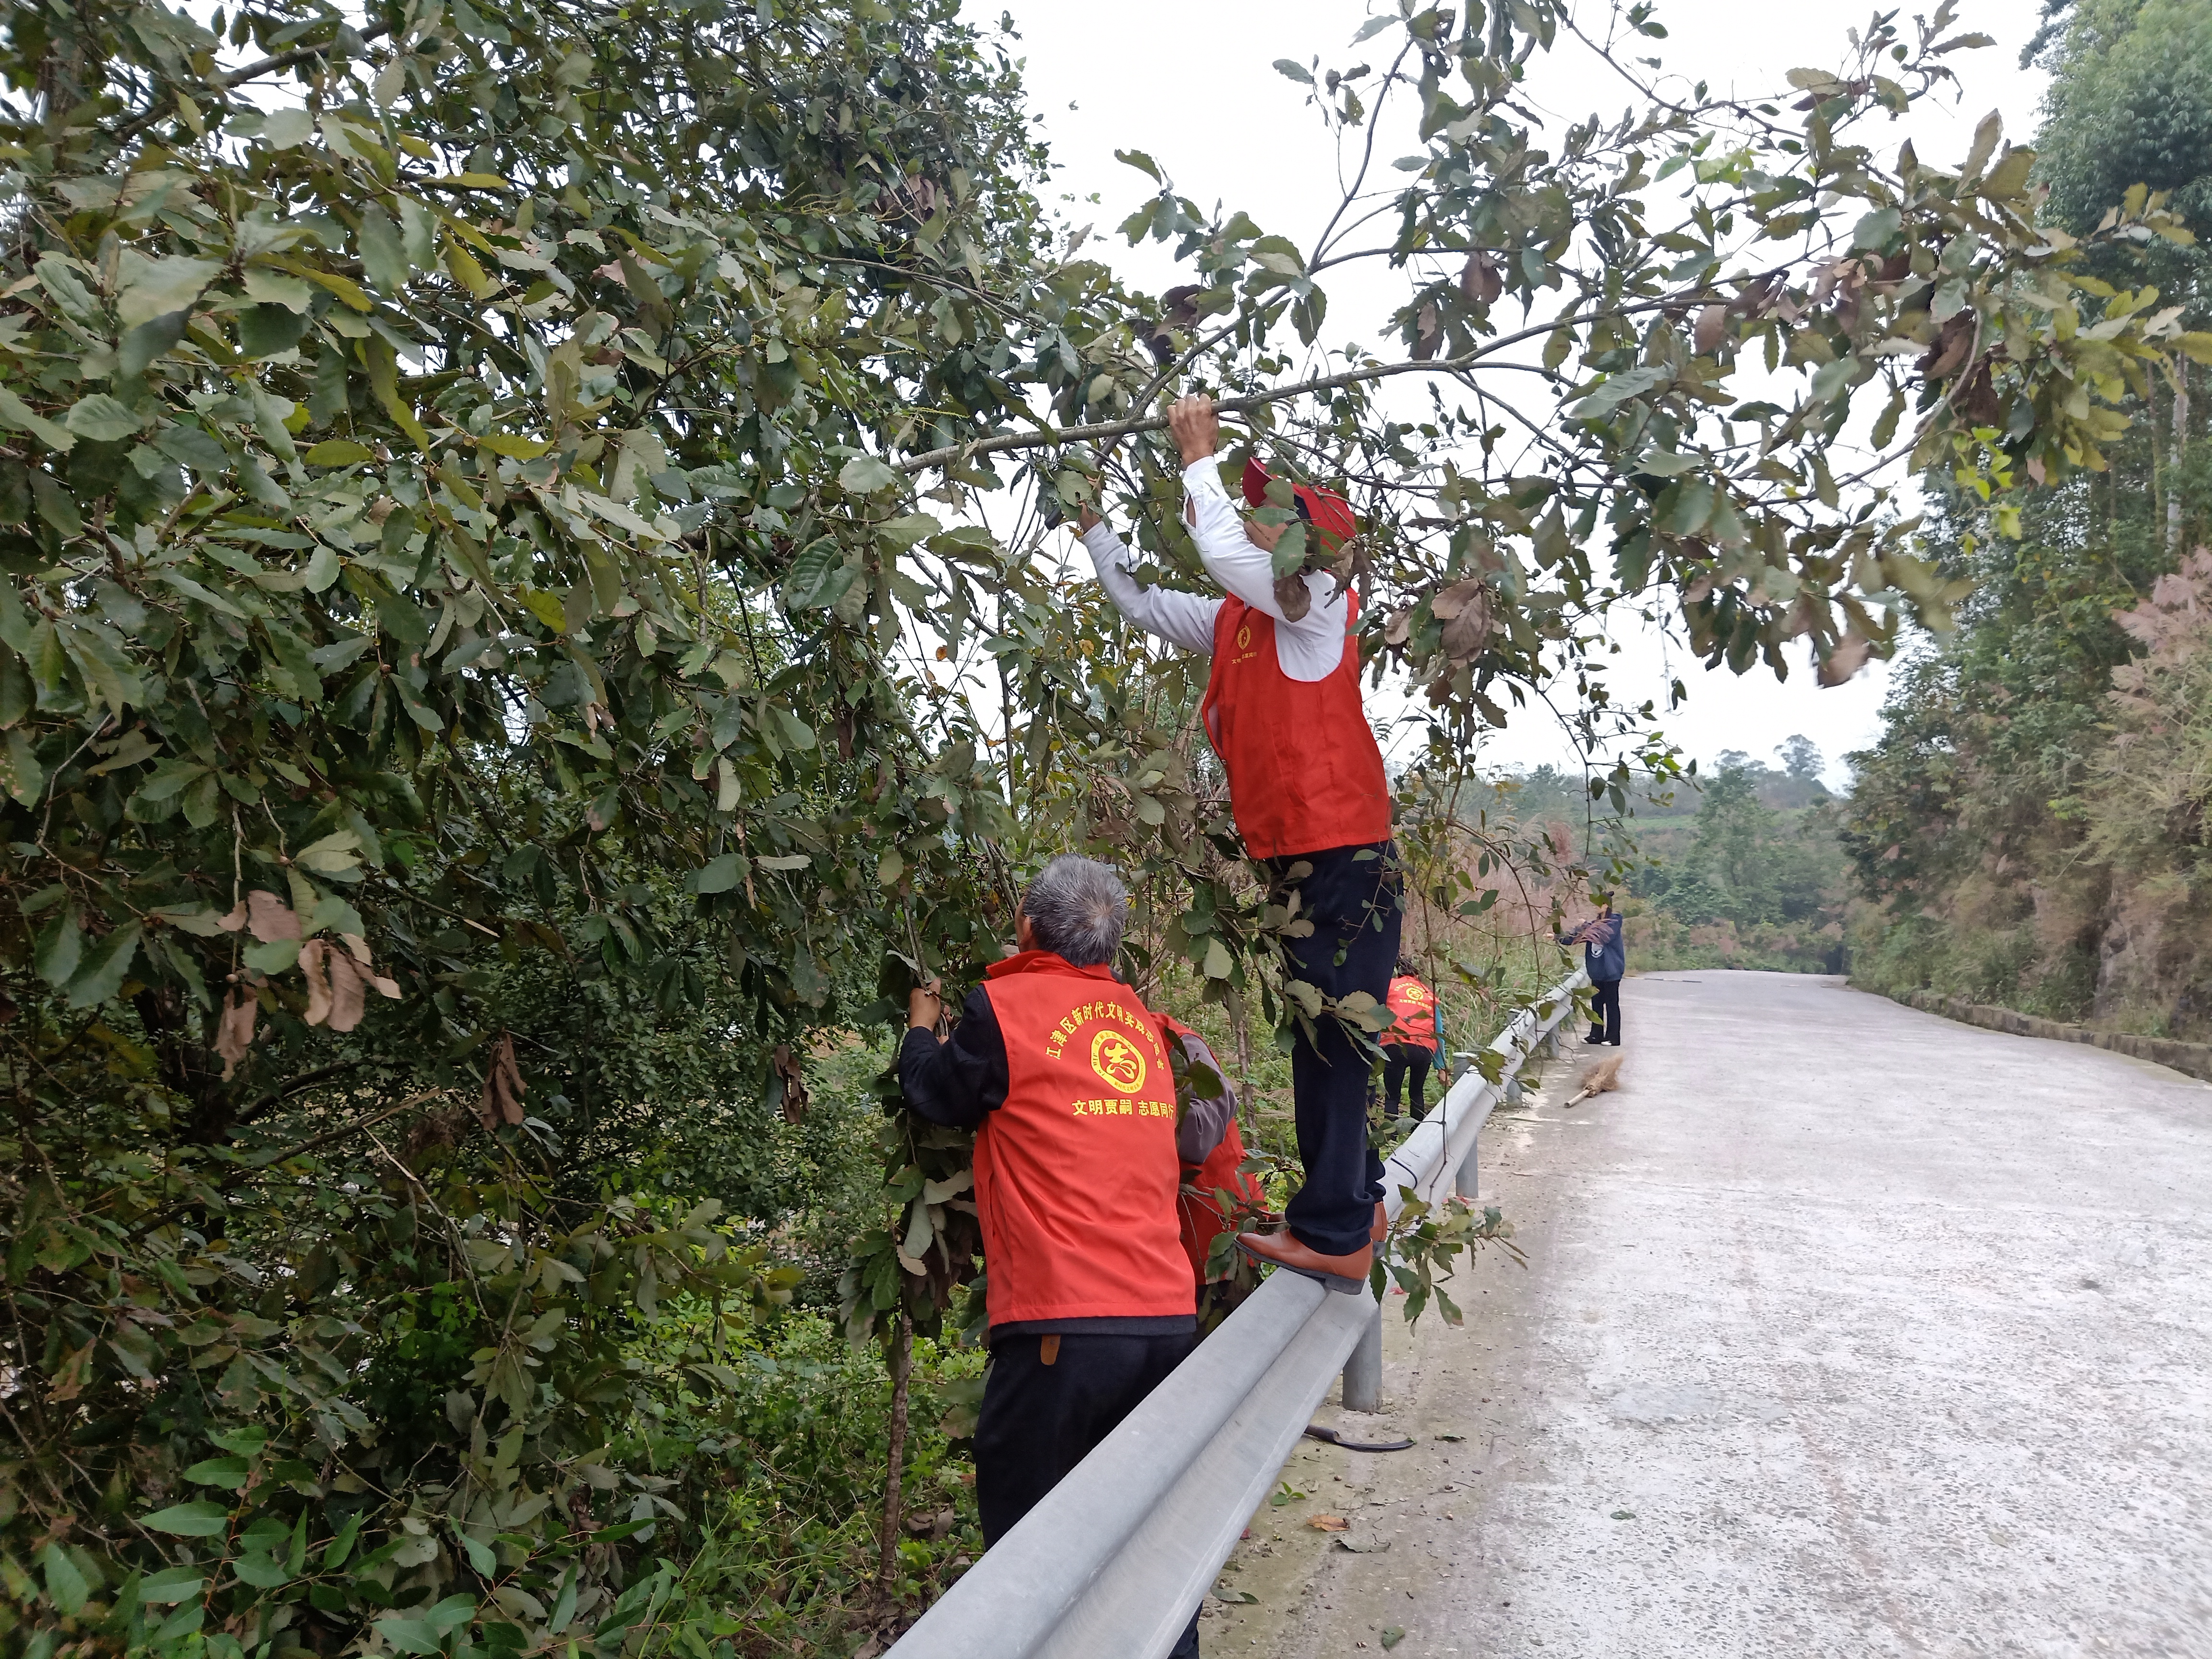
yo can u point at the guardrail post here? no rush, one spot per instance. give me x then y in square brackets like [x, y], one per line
[1464, 1181]
[1363, 1372]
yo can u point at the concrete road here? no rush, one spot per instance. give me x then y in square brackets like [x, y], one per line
[1845, 1330]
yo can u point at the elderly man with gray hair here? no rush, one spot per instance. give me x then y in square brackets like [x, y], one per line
[1063, 1073]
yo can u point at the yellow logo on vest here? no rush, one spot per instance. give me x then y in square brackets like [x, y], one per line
[1244, 637]
[1118, 1061]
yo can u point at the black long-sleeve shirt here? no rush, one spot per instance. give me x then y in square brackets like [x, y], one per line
[958, 1082]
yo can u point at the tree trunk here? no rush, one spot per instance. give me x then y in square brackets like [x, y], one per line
[901, 1358]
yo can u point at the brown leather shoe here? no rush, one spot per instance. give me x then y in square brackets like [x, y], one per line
[1346, 1274]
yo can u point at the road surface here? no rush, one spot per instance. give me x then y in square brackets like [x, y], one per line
[1846, 1330]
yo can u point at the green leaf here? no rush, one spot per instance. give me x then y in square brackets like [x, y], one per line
[413, 1636]
[381, 255]
[1874, 232]
[149, 340]
[786, 861]
[864, 475]
[20, 770]
[59, 945]
[1829, 378]
[1142, 162]
[547, 608]
[172, 1584]
[101, 976]
[17, 416]
[719, 875]
[199, 1519]
[512, 446]
[148, 289]
[262, 1571]
[65, 1583]
[338, 452]
[1294, 70]
[1693, 504]
[229, 1473]
[276, 956]
[101, 418]
[335, 1555]
[1219, 964]
[904, 532]
[333, 854]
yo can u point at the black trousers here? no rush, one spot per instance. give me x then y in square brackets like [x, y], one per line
[1039, 1421]
[1605, 1010]
[1357, 907]
[1404, 1063]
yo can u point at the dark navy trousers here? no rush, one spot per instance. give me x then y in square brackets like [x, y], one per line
[1357, 906]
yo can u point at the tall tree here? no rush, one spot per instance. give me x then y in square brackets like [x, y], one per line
[468, 594]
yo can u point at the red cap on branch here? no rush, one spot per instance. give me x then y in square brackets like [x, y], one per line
[1324, 509]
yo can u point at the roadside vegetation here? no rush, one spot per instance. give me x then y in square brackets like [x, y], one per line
[507, 678]
[2031, 830]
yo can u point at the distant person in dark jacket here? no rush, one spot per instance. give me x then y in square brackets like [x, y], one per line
[1605, 954]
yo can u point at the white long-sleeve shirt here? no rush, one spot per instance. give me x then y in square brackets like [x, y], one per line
[1308, 648]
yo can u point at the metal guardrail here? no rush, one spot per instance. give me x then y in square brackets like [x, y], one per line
[1110, 1564]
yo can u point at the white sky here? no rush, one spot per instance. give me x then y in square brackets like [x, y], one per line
[1192, 83]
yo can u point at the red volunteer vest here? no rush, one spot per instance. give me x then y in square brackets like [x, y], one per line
[1199, 1210]
[1076, 1173]
[1304, 772]
[1415, 1005]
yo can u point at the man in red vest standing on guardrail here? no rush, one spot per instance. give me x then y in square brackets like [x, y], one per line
[1312, 802]
[1063, 1074]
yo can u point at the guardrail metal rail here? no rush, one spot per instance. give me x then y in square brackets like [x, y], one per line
[1109, 1564]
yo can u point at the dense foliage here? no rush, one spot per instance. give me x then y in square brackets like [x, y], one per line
[2027, 836]
[487, 717]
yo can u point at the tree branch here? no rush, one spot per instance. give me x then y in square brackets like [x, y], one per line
[1049, 438]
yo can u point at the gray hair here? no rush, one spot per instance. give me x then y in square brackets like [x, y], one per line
[1076, 908]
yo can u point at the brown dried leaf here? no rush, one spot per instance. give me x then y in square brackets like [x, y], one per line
[1711, 330]
[358, 946]
[269, 918]
[1978, 398]
[235, 921]
[1328, 1523]
[1292, 596]
[1452, 600]
[1176, 309]
[235, 1034]
[1845, 659]
[1464, 634]
[786, 1066]
[1698, 587]
[318, 981]
[1949, 353]
[1478, 280]
[346, 981]
[1428, 333]
[1400, 629]
[501, 1101]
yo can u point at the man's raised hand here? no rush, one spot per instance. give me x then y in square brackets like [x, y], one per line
[1197, 430]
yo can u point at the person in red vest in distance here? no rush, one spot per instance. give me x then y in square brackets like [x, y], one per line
[1063, 1072]
[1212, 1148]
[1413, 1042]
[1306, 784]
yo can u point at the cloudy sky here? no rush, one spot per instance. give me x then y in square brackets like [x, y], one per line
[1191, 83]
